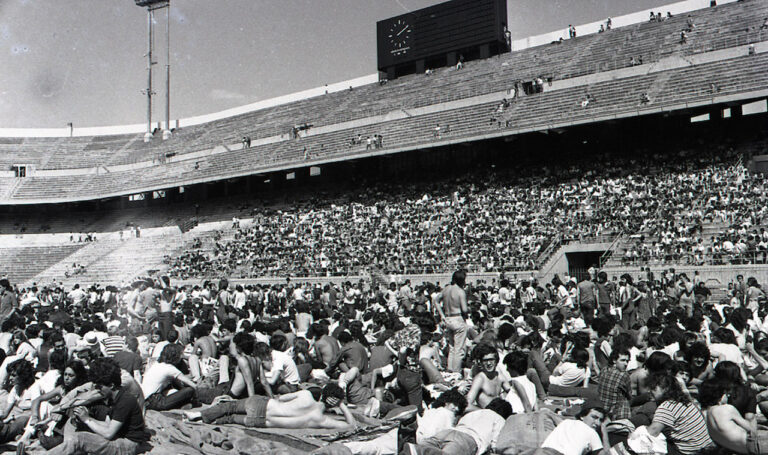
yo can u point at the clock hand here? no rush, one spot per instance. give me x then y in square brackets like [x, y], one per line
[401, 31]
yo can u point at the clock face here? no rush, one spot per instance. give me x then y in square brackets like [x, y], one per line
[400, 35]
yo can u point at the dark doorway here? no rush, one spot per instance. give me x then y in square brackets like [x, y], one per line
[580, 262]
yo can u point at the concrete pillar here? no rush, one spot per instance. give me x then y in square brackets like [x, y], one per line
[485, 51]
[452, 59]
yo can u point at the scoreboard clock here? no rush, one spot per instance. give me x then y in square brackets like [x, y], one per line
[453, 26]
[400, 34]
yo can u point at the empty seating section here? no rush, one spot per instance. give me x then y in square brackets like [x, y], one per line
[111, 260]
[557, 107]
[24, 263]
[715, 28]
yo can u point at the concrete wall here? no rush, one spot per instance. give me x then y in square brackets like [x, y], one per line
[715, 276]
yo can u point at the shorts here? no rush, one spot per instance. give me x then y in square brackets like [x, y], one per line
[256, 411]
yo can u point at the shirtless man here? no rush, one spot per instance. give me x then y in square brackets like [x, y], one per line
[293, 410]
[165, 315]
[203, 361]
[249, 368]
[487, 384]
[452, 306]
[726, 426]
[326, 347]
[303, 319]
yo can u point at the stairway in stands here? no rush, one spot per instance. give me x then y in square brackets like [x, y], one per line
[115, 261]
[21, 264]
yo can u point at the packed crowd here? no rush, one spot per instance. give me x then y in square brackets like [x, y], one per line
[664, 200]
[730, 199]
[643, 364]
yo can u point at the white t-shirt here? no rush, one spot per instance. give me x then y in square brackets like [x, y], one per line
[46, 383]
[5, 341]
[727, 351]
[157, 377]
[239, 300]
[573, 437]
[433, 422]
[158, 349]
[283, 367]
[569, 374]
[23, 402]
[514, 399]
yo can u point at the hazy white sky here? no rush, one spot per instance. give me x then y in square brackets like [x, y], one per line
[83, 61]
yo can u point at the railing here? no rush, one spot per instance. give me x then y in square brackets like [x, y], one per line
[746, 258]
[609, 251]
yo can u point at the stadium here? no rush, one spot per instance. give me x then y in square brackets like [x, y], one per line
[634, 147]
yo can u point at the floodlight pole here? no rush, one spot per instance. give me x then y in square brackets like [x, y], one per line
[167, 131]
[151, 6]
[150, 29]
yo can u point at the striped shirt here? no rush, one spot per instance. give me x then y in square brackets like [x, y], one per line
[112, 345]
[684, 425]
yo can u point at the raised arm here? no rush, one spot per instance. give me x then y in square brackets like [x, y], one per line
[331, 423]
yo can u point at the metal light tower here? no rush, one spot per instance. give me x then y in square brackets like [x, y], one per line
[151, 6]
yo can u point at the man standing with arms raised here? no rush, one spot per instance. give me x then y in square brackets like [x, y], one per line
[452, 306]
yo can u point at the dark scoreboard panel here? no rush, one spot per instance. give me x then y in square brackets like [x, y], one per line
[437, 30]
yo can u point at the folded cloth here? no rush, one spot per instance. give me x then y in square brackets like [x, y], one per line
[640, 441]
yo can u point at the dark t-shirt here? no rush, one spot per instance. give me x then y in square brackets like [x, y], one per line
[128, 361]
[126, 409]
[380, 356]
[354, 355]
[744, 399]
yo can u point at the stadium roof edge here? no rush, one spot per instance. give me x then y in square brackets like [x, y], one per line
[517, 45]
[650, 110]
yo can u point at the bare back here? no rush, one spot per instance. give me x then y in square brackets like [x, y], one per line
[207, 347]
[300, 412]
[454, 300]
[724, 430]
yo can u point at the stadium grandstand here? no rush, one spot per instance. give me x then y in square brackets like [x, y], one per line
[640, 76]
[519, 247]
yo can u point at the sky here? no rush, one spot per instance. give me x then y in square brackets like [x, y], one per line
[84, 61]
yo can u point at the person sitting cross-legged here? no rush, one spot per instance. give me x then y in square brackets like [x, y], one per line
[123, 432]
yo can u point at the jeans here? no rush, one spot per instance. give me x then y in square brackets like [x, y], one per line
[91, 443]
[175, 400]
[457, 337]
[410, 382]
[757, 442]
[9, 431]
[165, 323]
[251, 412]
[449, 442]
[206, 395]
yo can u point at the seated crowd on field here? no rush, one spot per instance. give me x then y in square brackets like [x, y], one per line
[635, 362]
